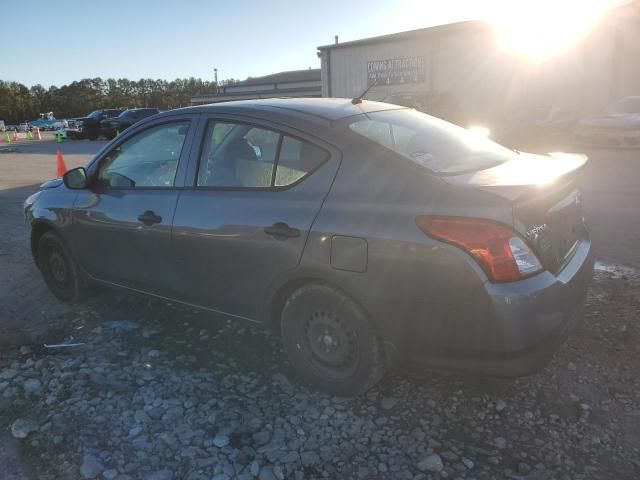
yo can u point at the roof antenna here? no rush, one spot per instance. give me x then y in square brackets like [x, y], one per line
[358, 99]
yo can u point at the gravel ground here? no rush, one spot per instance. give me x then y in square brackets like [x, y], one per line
[157, 391]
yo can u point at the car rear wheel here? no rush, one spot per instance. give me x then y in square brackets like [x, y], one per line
[60, 270]
[330, 341]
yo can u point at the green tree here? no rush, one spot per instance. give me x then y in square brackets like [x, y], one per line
[19, 103]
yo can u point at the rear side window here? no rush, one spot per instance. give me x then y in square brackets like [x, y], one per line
[297, 159]
[244, 156]
[435, 144]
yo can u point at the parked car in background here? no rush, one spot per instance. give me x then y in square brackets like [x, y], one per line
[617, 126]
[59, 124]
[23, 127]
[366, 234]
[89, 126]
[111, 127]
[46, 122]
[547, 128]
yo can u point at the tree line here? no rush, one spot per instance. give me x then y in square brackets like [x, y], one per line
[19, 103]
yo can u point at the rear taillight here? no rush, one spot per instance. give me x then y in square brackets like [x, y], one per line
[501, 252]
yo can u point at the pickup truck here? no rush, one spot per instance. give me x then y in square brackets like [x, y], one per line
[110, 127]
[89, 126]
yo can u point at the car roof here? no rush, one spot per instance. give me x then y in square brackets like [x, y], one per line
[326, 108]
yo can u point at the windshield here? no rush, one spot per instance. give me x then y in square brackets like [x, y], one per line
[432, 143]
[95, 114]
[626, 105]
[127, 114]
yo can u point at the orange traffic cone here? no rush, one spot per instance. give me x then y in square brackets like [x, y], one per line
[62, 168]
[38, 137]
[15, 136]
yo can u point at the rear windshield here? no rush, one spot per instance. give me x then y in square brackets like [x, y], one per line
[440, 146]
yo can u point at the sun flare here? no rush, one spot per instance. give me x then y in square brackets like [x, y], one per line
[539, 30]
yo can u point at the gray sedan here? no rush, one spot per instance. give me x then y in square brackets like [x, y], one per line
[617, 126]
[367, 235]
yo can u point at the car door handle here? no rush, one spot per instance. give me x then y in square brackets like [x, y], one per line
[281, 229]
[149, 218]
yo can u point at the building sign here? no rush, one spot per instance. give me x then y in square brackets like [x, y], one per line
[395, 70]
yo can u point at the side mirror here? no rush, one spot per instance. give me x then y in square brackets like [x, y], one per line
[76, 178]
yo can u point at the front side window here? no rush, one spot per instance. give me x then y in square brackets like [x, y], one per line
[245, 156]
[439, 146]
[148, 159]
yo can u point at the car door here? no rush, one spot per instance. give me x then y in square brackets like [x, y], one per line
[122, 223]
[245, 218]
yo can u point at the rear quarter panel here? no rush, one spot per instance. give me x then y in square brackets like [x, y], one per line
[412, 284]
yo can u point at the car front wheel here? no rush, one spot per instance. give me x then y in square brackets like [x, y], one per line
[330, 341]
[60, 270]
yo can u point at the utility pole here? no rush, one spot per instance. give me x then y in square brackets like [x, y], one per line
[215, 77]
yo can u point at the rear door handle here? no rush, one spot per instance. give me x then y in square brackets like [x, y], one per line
[282, 230]
[149, 218]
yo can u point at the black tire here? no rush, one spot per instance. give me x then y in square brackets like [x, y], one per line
[60, 270]
[330, 341]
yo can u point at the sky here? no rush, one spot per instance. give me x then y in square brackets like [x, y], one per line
[57, 42]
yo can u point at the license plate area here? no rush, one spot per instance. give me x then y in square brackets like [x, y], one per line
[565, 227]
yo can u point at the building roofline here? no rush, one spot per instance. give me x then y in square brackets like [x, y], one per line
[258, 92]
[274, 77]
[467, 25]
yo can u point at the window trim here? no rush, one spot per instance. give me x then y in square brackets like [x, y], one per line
[273, 188]
[94, 166]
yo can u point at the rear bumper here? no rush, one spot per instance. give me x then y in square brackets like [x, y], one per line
[516, 327]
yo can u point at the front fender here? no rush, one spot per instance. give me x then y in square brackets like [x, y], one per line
[49, 209]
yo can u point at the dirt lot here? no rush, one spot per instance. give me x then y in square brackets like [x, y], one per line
[158, 391]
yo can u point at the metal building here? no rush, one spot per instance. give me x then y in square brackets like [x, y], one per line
[295, 83]
[462, 73]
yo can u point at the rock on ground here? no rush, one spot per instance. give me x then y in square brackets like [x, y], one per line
[91, 467]
[431, 463]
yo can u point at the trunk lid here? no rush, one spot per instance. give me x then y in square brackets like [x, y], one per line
[543, 191]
